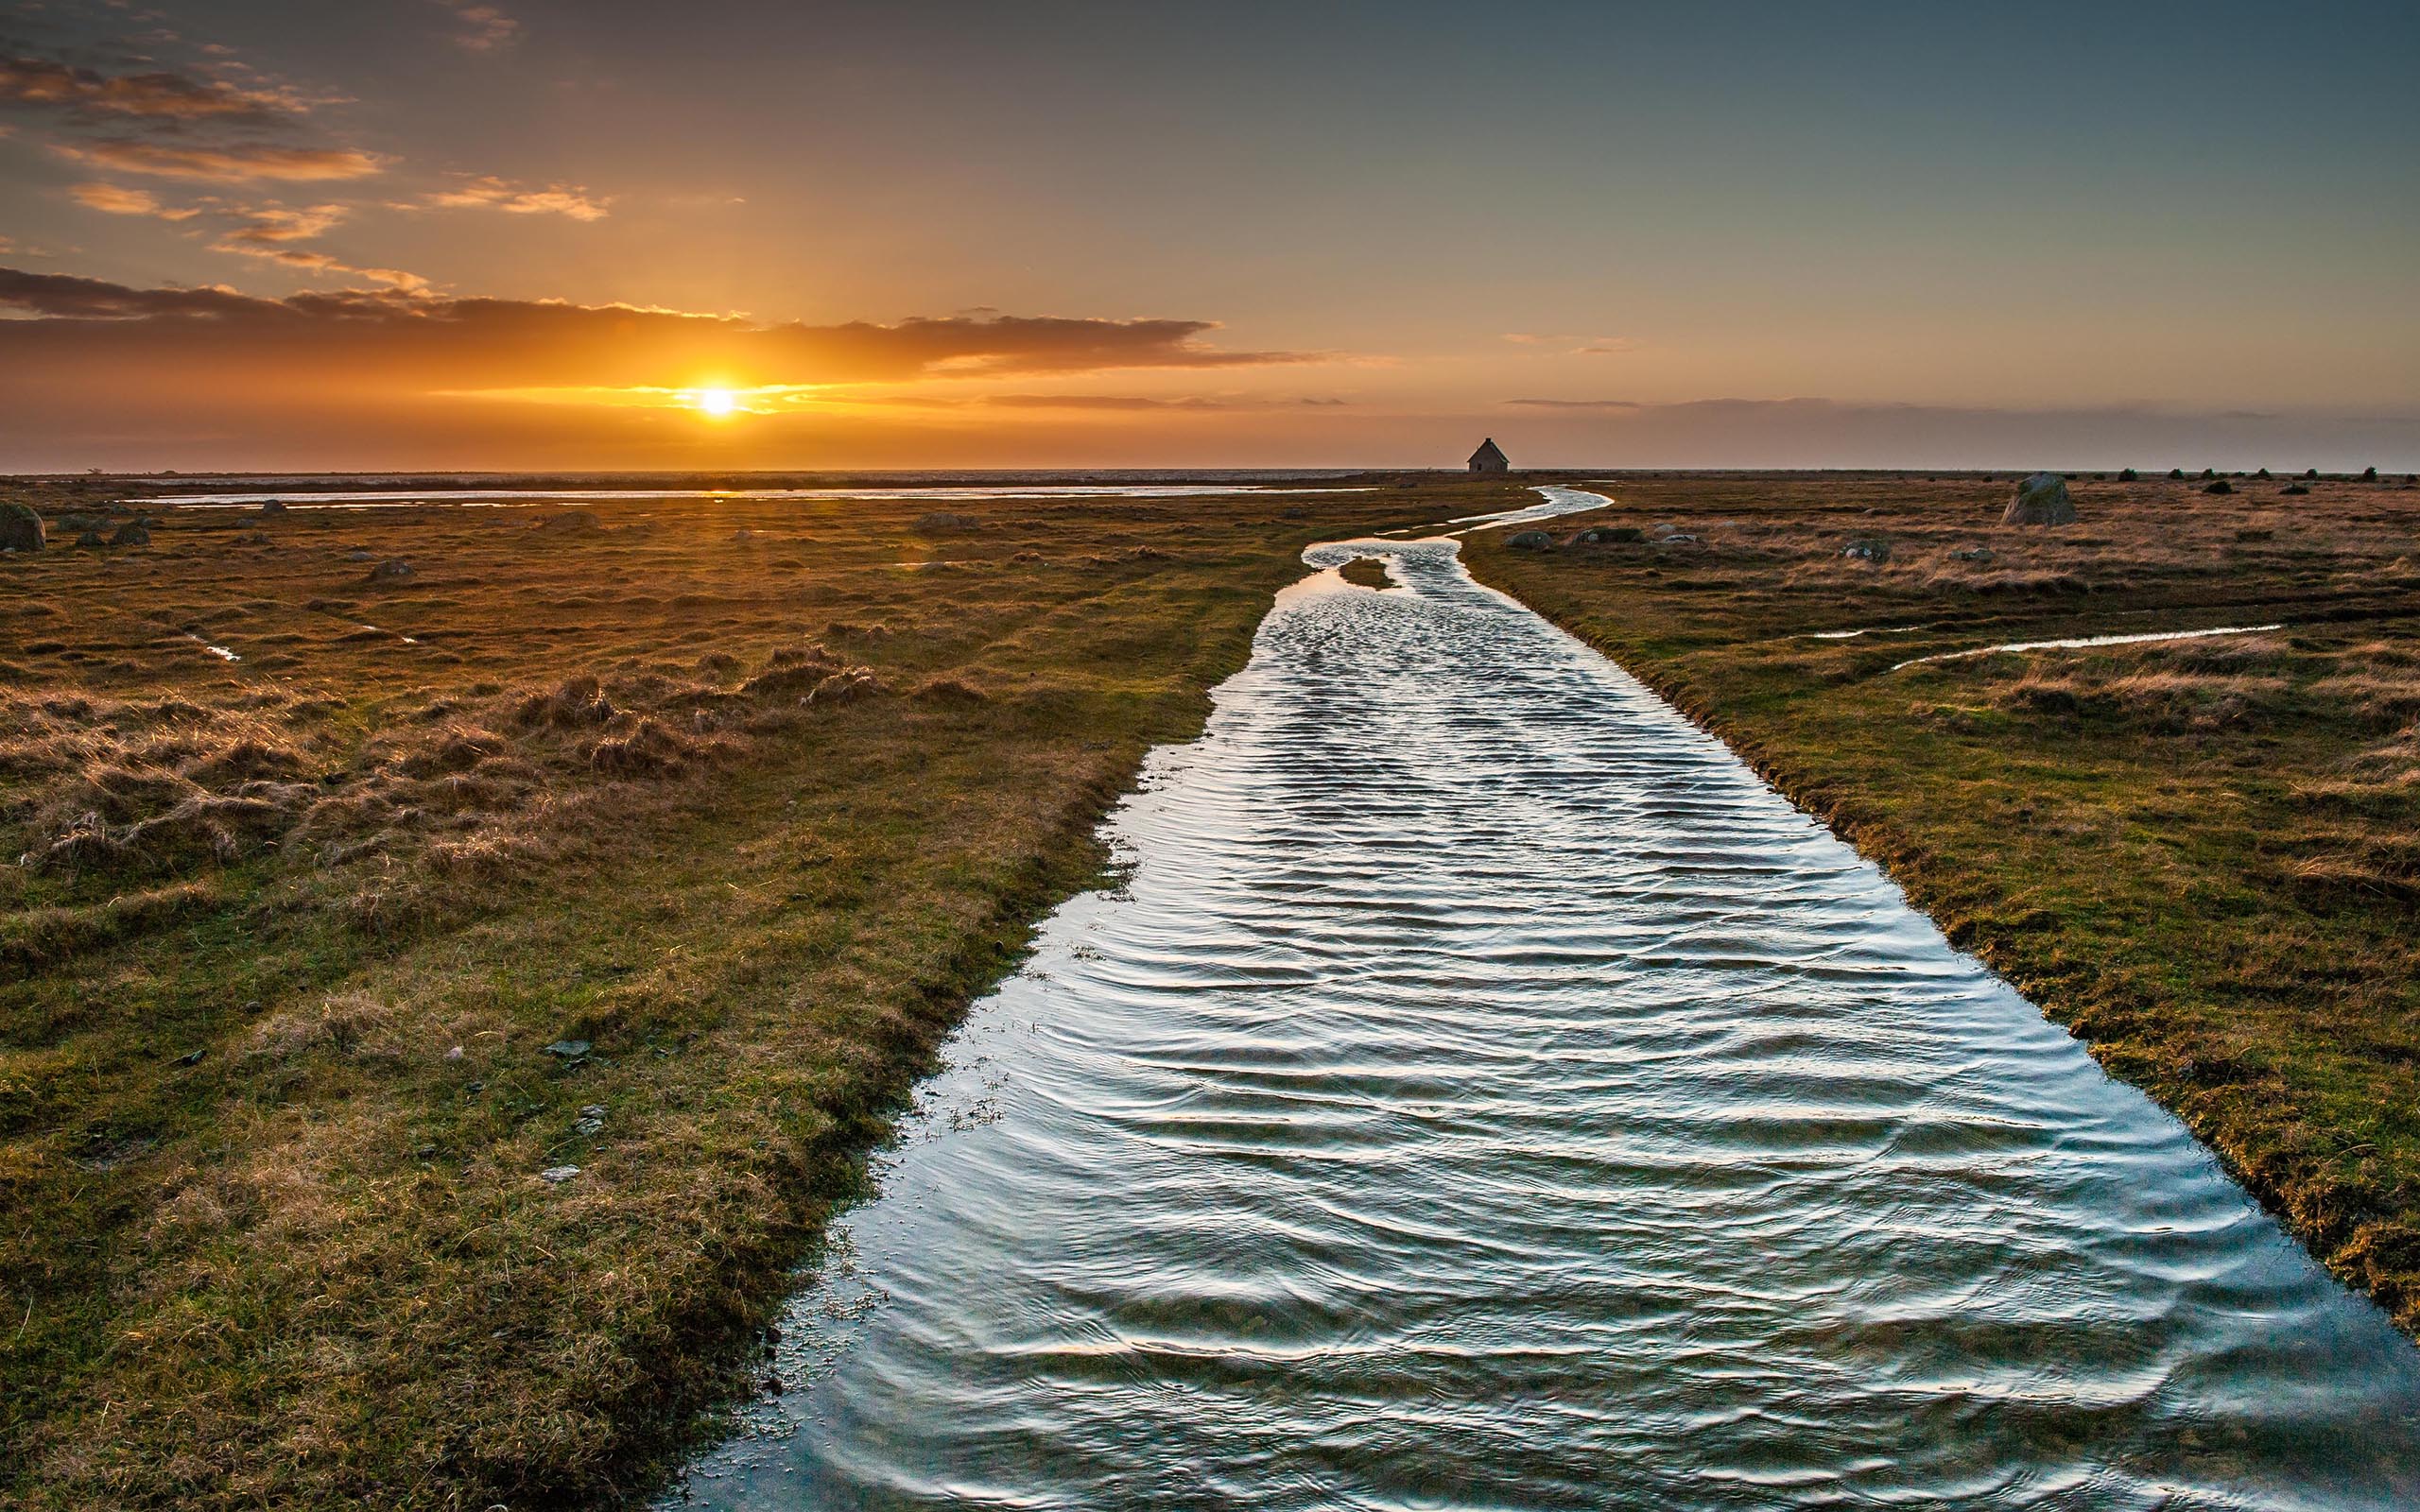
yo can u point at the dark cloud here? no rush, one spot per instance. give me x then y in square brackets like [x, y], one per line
[158, 96]
[396, 343]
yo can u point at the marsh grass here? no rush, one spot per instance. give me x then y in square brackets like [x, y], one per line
[749, 798]
[2199, 855]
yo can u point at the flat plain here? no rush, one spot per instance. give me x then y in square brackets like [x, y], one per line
[353, 911]
[2201, 855]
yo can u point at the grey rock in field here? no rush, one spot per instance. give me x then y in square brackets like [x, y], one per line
[20, 528]
[393, 570]
[133, 533]
[92, 539]
[2040, 500]
[272, 507]
[568, 1049]
[2222, 486]
[1971, 554]
[558, 1175]
[360, 554]
[1530, 540]
[1678, 538]
[742, 535]
[1867, 550]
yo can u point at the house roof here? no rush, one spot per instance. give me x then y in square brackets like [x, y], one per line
[1488, 452]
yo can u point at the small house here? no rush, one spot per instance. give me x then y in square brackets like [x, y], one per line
[1490, 458]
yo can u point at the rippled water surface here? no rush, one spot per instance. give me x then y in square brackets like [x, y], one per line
[1486, 1094]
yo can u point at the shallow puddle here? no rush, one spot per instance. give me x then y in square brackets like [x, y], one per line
[1485, 1093]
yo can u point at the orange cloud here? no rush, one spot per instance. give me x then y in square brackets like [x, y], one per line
[116, 200]
[240, 163]
[494, 194]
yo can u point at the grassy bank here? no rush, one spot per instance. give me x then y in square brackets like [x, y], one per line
[429, 1041]
[2202, 856]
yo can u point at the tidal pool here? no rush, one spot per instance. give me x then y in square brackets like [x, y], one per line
[1484, 1093]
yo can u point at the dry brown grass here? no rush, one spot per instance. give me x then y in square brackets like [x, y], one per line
[747, 797]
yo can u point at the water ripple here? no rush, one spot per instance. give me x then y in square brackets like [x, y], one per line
[1485, 1093]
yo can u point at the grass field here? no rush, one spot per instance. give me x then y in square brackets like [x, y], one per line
[661, 841]
[2201, 855]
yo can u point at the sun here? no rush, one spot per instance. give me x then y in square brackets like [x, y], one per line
[716, 401]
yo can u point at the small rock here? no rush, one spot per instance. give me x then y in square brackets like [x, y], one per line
[1530, 540]
[20, 527]
[593, 1110]
[772, 1384]
[475, 1086]
[1972, 553]
[272, 507]
[586, 1127]
[360, 554]
[1867, 550]
[92, 539]
[130, 534]
[568, 1049]
[454, 1054]
[2222, 486]
[1607, 534]
[2294, 488]
[1678, 538]
[557, 1174]
[393, 570]
[742, 535]
[191, 1058]
[2040, 500]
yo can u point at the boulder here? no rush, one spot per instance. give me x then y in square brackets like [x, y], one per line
[91, 538]
[1609, 535]
[1971, 554]
[393, 570]
[272, 507]
[2040, 500]
[133, 533]
[1867, 550]
[2222, 486]
[20, 528]
[1530, 540]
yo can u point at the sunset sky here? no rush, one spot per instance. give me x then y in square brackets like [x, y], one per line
[607, 234]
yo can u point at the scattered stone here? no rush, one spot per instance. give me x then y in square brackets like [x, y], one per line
[272, 507]
[1664, 530]
[558, 1175]
[360, 554]
[568, 1049]
[1607, 534]
[588, 1127]
[1530, 540]
[133, 533]
[1678, 538]
[393, 570]
[259, 538]
[20, 528]
[1971, 554]
[2040, 500]
[2295, 488]
[2127, 474]
[474, 1087]
[2222, 486]
[92, 539]
[742, 535]
[454, 1054]
[1867, 550]
[191, 1058]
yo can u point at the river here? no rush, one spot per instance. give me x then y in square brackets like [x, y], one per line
[1485, 1093]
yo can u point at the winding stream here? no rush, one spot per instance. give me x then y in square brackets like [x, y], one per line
[1486, 1094]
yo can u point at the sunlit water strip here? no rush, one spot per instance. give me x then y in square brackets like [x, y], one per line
[1486, 1094]
[2075, 642]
